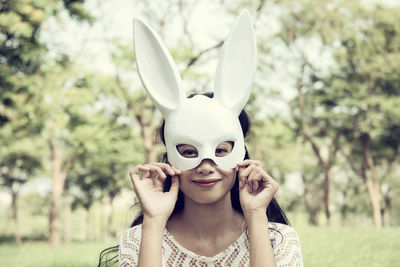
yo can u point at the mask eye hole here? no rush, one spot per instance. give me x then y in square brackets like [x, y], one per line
[187, 151]
[224, 148]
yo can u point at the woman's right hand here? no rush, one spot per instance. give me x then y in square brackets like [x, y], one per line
[148, 185]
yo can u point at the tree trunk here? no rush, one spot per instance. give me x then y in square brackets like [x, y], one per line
[374, 196]
[14, 208]
[145, 121]
[313, 217]
[8, 222]
[388, 210]
[149, 146]
[67, 217]
[327, 193]
[110, 231]
[55, 203]
[87, 225]
[371, 180]
[324, 165]
[58, 176]
[312, 205]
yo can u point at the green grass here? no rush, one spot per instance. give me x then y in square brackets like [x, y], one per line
[34, 254]
[340, 247]
[330, 247]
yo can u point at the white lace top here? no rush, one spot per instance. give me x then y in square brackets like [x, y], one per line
[284, 240]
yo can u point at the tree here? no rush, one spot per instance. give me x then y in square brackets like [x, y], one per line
[356, 96]
[16, 168]
[102, 169]
[77, 111]
[298, 28]
[21, 50]
[22, 57]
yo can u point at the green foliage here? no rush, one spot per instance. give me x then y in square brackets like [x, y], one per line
[357, 95]
[16, 168]
[39, 254]
[273, 142]
[22, 52]
[29, 79]
[102, 168]
[349, 247]
[360, 93]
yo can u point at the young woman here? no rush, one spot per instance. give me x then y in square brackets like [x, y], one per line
[208, 204]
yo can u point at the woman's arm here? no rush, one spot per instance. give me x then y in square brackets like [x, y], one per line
[156, 205]
[151, 242]
[261, 253]
[257, 189]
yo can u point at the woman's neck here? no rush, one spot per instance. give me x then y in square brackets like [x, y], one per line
[209, 220]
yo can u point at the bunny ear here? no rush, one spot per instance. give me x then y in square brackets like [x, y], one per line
[237, 64]
[157, 69]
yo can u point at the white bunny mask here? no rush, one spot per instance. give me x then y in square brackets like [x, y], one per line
[200, 121]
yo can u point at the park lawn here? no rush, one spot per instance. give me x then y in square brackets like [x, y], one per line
[342, 247]
[330, 247]
[35, 254]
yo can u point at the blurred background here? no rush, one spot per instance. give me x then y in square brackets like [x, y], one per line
[74, 119]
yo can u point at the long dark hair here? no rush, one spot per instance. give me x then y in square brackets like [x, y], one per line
[274, 211]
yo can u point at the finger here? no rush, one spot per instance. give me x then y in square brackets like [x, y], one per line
[255, 182]
[134, 174]
[165, 167]
[174, 185]
[271, 183]
[177, 171]
[242, 178]
[256, 177]
[135, 171]
[156, 177]
[156, 170]
[253, 173]
[146, 172]
[266, 178]
[267, 182]
[135, 178]
[248, 162]
[245, 171]
[241, 181]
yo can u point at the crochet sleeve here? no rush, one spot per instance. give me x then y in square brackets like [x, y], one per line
[129, 247]
[286, 246]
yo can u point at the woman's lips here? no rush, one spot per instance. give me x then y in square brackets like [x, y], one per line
[206, 183]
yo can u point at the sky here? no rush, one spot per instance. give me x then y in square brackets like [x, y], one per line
[89, 43]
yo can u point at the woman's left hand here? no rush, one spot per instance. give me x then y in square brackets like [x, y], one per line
[256, 187]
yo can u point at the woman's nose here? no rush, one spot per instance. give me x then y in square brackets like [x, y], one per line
[206, 166]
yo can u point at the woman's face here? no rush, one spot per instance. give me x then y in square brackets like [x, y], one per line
[207, 183]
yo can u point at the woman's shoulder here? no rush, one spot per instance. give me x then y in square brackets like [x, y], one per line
[285, 244]
[129, 246]
[133, 230]
[282, 234]
[282, 228]
[131, 236]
